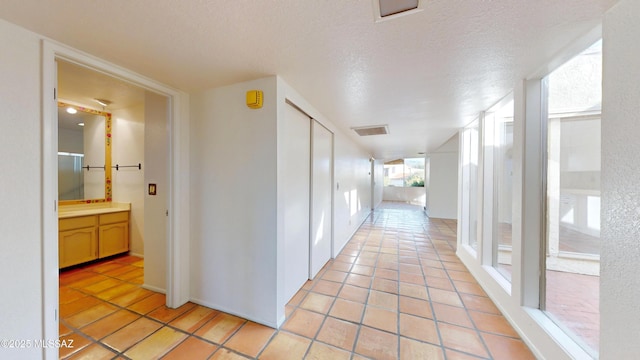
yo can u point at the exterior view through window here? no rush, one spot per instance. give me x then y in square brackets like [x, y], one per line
[404, 172]
[570, 294]
[499, 118]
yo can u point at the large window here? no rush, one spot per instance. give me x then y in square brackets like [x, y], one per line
[499, 119]
[530, 170]
[404, 172]
[570, 293]
[469, 174]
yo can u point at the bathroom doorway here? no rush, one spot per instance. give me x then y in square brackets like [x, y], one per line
[130, 178]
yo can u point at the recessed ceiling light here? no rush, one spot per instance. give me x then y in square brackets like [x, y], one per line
[80, 124]
[71, 110]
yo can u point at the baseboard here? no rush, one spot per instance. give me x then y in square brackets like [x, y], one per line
[229, 311]
[153, 288]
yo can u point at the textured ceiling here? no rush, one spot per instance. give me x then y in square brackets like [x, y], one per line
[424, 74]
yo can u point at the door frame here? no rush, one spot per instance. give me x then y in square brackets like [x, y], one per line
[177, 287]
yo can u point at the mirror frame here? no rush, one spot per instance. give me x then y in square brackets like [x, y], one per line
[107, 156]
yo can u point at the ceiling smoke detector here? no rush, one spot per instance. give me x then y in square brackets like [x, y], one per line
[391, 9]
[371, 130]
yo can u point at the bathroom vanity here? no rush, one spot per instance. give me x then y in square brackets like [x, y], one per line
[92, 231]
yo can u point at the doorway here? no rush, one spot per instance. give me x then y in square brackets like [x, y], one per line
[174, 122]
[111, 171]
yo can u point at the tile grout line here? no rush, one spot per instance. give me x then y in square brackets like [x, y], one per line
[404, 239]
[433, 312]
[476, 330]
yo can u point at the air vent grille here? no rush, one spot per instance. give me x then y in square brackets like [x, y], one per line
[392, 7]
[371, 130]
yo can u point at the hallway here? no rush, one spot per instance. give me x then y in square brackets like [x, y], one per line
[397, 291]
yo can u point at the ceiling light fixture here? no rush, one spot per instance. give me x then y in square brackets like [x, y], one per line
[71, 110]
[103, 102]
[80, 124]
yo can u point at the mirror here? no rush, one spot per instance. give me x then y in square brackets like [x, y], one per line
[84, 155]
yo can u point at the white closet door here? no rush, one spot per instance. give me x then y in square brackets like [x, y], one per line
[321, 197]
[296, 147]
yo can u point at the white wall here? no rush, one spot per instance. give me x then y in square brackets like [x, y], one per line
[378, 182]
[443, 181]
[20, 210]
[233, 201]
[415, 195]
[238, 200]
[620, 254]
[127, 148]
[352, 200]
[156, 171]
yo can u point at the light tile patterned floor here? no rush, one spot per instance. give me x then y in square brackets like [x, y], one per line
[397, 291]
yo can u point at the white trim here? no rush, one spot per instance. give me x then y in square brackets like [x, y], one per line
[154, 288]
[239, 314]
[487, 138]
[178, 224]
[567, 343]
[499, 278]
[49, 205]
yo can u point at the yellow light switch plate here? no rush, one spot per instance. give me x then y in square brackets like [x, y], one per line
[254, 99]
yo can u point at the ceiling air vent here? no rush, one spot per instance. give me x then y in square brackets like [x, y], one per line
[371, 130]
[389, 9]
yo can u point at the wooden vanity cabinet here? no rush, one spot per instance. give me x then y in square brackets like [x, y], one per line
[85, 238]
[78, 240]
[113, 234]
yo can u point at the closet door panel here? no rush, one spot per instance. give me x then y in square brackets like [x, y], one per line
[321, 198]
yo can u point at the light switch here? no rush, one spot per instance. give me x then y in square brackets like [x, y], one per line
[152, 189]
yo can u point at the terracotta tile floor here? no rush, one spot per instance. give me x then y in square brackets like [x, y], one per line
[397, 291]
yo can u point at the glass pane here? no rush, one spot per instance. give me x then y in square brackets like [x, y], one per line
[414, 172]
[394, 173]
[470, 182]
[502, 117]
[70, 176]
[473, 185]
[573, 197]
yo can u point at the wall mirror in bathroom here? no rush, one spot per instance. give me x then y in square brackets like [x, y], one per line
[84, 155]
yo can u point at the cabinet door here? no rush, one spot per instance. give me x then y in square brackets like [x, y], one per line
[114, 239]
[77, 246]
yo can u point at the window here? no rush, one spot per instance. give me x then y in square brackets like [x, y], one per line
[404, 172]
[499, 120]
[570, 293]
[469, 173]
